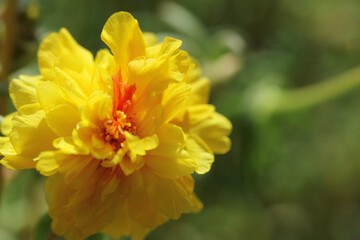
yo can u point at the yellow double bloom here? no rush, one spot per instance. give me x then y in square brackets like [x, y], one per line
[118, 136]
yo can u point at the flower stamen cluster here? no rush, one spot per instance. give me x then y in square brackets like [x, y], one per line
[114, 129]
[122, 117]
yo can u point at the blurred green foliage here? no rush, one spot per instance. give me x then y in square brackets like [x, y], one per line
[288, 176]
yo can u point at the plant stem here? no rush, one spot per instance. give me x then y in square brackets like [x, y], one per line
[319, 92]
[51, 236]
[6, 58]
[10, 16]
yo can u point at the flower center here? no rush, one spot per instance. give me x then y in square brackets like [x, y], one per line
[122, 117]
[114, 131]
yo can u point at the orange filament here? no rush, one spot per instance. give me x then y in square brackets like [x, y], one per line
[122, 119]
[123, 94]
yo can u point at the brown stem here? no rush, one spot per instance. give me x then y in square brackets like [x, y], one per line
[51, 236]
[10, 17]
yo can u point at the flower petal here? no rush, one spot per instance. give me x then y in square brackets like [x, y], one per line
[139, 206]
[61, 48]
[188, 183]
[168, 196]
[6, 125]
[172, 168]
[198, 113]
[123, 225]
[106, 61]
[179, 60]
[171, 142]
[62, 119]
[175, 100]
[150, 39]
[49, 162]
[140, 146]
[31, 134]
[81, 210]
[200, 91]
[123, 35]
[23, 90]
[214, 131]
[11, 158]
[201, 153]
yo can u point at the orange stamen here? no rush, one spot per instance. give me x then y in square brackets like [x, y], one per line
[122, 117]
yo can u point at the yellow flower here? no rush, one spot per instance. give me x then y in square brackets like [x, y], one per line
[118, 136]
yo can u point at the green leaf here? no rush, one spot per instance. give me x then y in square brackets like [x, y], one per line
[43, 229]
[22, 202]
[99, 236]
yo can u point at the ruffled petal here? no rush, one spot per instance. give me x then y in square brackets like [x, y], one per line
[171, 142]
[6, 125]
[214, 131]
[102, 81]
[86, 208]
[139, 206]
[61, 59]
[172, 168]
[175, 100]
[123, 35]
[188, 183]
[194, 73]
[23, 91]
[200, 153]
[31, 134]
[11, 158]
[63, 119]
[200, 91]
[168, 196]
[62, 48]
[179, 60]
[150, 39]
[50, 95]
[140, 146]
[93, 114]
[106, 61]
[123, 225]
